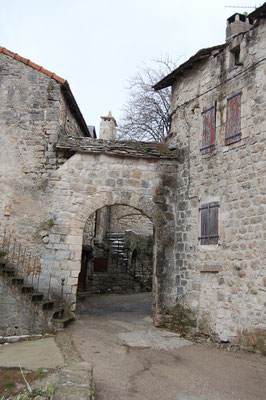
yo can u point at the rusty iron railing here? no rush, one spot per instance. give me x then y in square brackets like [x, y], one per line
[23, 267]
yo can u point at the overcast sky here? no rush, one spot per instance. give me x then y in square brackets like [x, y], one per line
[98, 44]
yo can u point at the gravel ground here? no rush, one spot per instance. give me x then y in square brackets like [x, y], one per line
[133, 360]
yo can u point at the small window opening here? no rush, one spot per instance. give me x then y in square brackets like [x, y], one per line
[236, 56]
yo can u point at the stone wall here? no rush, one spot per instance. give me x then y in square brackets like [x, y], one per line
[34, 110]
[224, 284]
[113, 283]
[87, 182]
[141, 257]
[17, 316]
[124, 218]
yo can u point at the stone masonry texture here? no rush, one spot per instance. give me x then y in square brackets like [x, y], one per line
[224, 283]
[53, 179]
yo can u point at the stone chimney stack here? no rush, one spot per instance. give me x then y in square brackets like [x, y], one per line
[237, 23]
[108, 127]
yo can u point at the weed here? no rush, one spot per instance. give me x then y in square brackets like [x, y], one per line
[9, 385]
[38, 373]
[50, 223]
[37, 394]
[2, 253]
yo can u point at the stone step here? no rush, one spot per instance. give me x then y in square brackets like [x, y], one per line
[61, 323]
[27, 289]
[2, 263]
[58, 314]
[8, 271]
[114, 234]
[35, 296]
[47, 305]
[17, 281]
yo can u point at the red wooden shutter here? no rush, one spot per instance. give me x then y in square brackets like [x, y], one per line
[208, 133]
[233, 116]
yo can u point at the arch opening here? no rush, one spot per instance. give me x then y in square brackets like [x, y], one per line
[117, 251]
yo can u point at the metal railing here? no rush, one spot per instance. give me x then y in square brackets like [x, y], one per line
[22, 267]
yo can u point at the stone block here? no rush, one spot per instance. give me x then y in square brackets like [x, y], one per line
[62, 255]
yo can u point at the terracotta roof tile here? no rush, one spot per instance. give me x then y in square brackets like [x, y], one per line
[32, 65]
[65, 87]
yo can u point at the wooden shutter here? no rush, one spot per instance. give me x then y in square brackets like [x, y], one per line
[209, 223]
[233, 116]
[213, 223]
[208, 133]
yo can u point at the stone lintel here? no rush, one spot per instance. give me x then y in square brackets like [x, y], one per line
[117, 148]
[209, 268]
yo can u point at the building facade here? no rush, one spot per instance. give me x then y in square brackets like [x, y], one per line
[218, 120]
[203, 191]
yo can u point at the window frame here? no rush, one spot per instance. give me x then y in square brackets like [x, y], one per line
[208, 128]
[233, 109]
[209, 221]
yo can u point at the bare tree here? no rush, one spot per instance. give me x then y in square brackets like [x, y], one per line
[145, 114]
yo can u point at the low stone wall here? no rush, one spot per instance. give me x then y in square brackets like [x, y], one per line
[113, 283]
[17, 316]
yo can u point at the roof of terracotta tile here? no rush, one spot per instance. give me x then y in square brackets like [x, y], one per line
[65, 86]
[200, 55]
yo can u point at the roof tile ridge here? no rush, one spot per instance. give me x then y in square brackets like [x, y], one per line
[32, 65]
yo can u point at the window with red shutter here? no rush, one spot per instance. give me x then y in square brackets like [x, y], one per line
[208, 133]
[209, 223]
[233, 115]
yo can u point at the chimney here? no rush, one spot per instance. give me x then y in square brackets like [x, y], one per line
[237, 23]
[108, 127]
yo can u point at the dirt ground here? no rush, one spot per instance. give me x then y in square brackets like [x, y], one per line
[12, 382]
[133, 360]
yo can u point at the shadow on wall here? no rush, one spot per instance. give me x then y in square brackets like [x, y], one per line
[117, 251]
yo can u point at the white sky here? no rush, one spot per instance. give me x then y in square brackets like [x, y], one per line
[98, 44]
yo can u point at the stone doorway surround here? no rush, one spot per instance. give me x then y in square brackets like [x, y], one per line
[90, 180]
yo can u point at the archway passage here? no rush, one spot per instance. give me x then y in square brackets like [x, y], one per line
[117, 252]
[88, 182]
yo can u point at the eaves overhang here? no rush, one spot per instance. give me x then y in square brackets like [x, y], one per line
[198, 57]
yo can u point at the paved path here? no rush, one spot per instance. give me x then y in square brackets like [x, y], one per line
[71, 376]
[34, 354]
[132, 360]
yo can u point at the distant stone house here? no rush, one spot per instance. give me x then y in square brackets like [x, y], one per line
[218, 113]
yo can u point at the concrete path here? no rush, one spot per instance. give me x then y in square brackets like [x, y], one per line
[132, 360]
[42, 353]
[72, 377]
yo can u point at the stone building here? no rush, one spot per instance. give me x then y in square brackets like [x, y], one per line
[53, 177]
[218, 113]
[203, 191]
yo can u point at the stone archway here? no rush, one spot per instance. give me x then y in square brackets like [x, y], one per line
[87, 182]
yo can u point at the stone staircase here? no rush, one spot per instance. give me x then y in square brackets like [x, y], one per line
[118, 250]
[48, 307]
[22, 279]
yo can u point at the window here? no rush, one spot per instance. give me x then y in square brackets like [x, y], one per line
[209, 223]
[235, 56]
[208, 134]
[233, 129]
